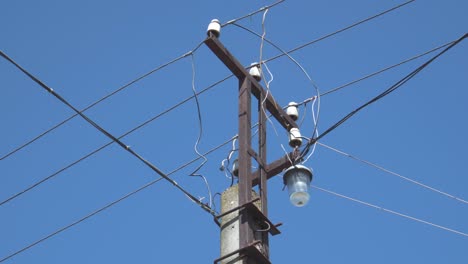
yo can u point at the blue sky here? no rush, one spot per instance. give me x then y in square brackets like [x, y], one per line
[86, 49]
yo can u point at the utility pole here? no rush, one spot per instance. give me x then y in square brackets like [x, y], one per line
[245, 226]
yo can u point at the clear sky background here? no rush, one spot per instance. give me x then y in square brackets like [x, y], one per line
[86, 49]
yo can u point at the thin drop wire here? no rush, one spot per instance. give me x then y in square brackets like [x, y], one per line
[316, 88]
[366, 76]
[381, 95]
[98, 101]
[251, 14]
[36, 184]
[270, 59]
[287, 154]
[393, 173]
[227, 160]
[315, 145]
[200, 134]
[110, 204]
[267, 83]
[129, 84]
[391, 211]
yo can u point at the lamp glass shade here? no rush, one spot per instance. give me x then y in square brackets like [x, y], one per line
[298, 180]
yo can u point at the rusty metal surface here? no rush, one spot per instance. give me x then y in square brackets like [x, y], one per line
[245, 162]
[238, 69]
[250, 215]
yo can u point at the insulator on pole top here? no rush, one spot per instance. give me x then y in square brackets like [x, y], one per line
[292, 111]
[255, 71]
[295, 138]
[214, 28]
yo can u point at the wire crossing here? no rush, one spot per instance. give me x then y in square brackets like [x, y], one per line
[284, 53]
[109, 205]
[109, 143]
[397, 85]
[109, 135]
[189, 53]
[96, 102]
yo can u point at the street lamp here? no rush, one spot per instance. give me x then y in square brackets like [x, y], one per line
[297, 178]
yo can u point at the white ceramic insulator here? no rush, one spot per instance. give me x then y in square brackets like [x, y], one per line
[255, 71]
[295, 138]
[292, 111]
[214, 27]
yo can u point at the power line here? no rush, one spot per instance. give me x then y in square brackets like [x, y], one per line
[200, 134]
[18, 148]
[341, 30]
[96, 102]
[109, 135]
[253, 13]
[356, 80]
[111, 204]
[391, 211]
[191, 52]
[408, 77]
[385, 69]
[317, 97]
[109, 143]
[393, 173]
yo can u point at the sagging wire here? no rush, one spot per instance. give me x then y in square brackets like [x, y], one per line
[314, 135]
[214, 203]
[285, 53]
[143, 124]
[109, 205]
[107, 134]
[200, 134]
[391, 89]
[261, 65]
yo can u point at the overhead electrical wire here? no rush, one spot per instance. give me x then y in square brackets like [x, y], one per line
[393, 173]
[385, 69]
[340, 30]
[200, 134]
[112, 203]
[262, 74]
[398, 84]
[328, 36]
[98, 101]
[190, 52]
[109, 135]
[109, 143]
[20, 147]
[317, 89]
[391, 211]
[252, 13]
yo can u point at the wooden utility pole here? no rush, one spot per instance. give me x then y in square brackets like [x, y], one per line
[244, 216]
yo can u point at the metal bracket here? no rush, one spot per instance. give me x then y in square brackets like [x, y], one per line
[250, 251]
[256, 214]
